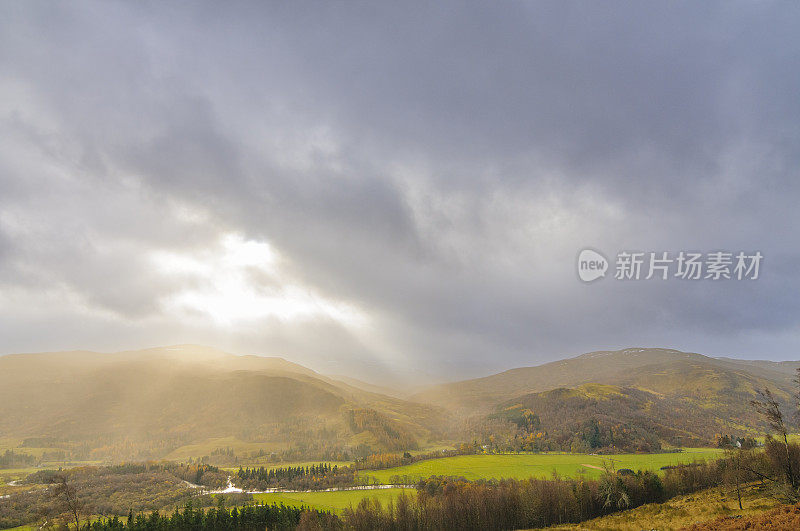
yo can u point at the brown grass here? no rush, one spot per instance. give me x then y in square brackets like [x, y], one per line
[784, 517]
[682, 511]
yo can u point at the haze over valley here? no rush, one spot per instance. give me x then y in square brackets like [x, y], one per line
[432, 266]
[189, 401]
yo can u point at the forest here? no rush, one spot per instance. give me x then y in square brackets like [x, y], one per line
[313, 477]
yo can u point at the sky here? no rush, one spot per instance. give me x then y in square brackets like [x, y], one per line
[396, 190]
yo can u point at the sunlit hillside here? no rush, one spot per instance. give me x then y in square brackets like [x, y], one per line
[147, 404]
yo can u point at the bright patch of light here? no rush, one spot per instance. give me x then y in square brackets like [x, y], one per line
[241, 281]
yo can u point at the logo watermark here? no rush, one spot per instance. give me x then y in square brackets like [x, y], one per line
[591, 265]
[663, 265]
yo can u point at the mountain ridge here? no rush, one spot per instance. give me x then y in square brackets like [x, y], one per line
[604, 367]
[155, 400]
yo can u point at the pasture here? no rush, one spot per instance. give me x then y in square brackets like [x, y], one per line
[522, 466]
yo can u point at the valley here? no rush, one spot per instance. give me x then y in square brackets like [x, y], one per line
[175, 425]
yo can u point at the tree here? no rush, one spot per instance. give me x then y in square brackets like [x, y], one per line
[69, 496]
[734, 471]
[797, 394]
[612, 489]
[766, 404]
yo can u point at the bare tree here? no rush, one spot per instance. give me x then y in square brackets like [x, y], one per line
[69, 496]
[766, 404]
[797, 395]
[735, 470]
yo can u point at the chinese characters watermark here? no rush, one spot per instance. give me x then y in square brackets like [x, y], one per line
[663, 265]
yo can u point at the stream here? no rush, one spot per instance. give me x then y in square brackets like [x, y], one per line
[232, 488]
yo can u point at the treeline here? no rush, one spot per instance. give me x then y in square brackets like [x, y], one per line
[317, 451]
[112, 448]
[12, 459]
[195, 473]
[452, 504]
[41, 442]
[308, 452]
[313, 477]
[290, 472]
[727, 441]
[250, 517]
[378, 461]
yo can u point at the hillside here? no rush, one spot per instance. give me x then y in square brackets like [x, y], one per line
[632, 399]
[706, 509]
[594, 416]
[782, 517]
[701, 379]
[146, 403]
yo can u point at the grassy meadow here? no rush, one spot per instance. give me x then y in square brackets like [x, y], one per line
[521, 466]
[474, 467]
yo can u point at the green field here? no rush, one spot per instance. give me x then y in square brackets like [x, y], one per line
[521, 466]
[487, 467]
[332, 501]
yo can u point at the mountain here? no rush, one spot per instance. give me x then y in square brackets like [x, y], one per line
[706, 381]
[636, 399]
[149, 402]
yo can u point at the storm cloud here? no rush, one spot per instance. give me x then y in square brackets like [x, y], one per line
[395, 189]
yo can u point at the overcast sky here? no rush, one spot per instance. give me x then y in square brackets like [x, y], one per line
[373, 187]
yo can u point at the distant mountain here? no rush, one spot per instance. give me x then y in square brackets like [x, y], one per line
[151, 401]
[724, 385]
[788, 368]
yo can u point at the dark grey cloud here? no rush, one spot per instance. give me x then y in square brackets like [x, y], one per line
[436, 166]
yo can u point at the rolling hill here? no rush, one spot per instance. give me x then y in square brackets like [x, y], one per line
[146, 403]
[646, 396]
[662, 371]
